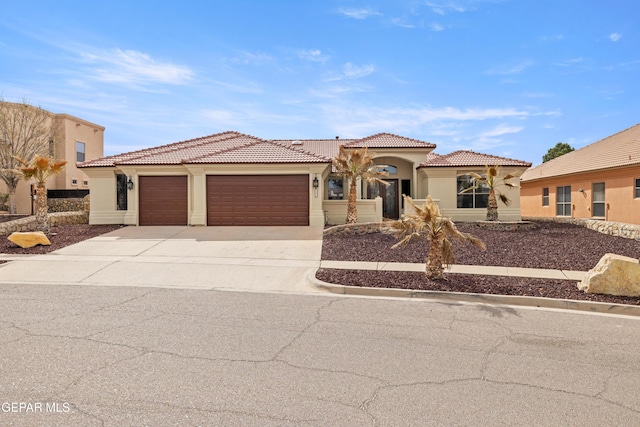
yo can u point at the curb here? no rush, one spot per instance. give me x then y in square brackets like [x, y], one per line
[562, 304]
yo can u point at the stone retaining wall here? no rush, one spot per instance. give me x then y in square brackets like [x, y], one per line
[620, 229]
[65, 205]
[56, 218]
[359, 228]
[507, 225]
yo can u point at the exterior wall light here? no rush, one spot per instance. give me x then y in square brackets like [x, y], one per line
[129, 184]
[316, 184]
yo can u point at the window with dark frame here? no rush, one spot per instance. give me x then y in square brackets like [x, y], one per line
[637, 190]
[563, 201]
[121, 192]
[597, 196]
[335, 188]
[80, 151]
[545, 196]
[468, 199]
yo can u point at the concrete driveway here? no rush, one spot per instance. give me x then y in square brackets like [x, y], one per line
[238, 258]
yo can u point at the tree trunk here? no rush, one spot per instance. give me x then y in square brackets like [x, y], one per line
[352, 205]
[42, 209]
[12, 201]
[492, 207]
[435, 259]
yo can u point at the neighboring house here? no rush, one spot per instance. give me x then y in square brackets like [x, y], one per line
[235, 179]
[74, 140]
[599, 181]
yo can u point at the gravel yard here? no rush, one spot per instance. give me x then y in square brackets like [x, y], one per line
[553, 246]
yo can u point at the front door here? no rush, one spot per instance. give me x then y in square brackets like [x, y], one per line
[389, 194]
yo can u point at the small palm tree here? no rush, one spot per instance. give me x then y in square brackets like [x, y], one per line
[357, 164]
[490, 179]
[428, 222]
[40, 169]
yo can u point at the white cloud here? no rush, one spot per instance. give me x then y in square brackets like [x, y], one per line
[352, 71]
[571, 62]
[510, 69]
[614, 37]
[553, 38]
[359, 13]
[435, 26]
[313, 55]
[134, 67]
[401, 23]
[250, 58]
[500, 130]
[443, 9]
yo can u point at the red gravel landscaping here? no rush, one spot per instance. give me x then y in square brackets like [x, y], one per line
[553, 246]
[59, 237]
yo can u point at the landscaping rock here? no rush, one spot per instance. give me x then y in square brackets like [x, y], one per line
[613, 275]
[29, 239]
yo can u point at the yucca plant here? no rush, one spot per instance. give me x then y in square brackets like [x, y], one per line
[357, 164]
[491, 179]
[40, 169]
[427, 222]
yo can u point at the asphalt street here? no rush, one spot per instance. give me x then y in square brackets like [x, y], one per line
[132, 356]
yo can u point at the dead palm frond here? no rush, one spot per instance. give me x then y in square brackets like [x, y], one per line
[427, 222]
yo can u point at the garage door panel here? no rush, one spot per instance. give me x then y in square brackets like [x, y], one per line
[258, 200]
[163, 200]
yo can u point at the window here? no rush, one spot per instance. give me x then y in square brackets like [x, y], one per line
[545, 196]
[74, 182]
[563, 201]
[597, 201]
[79, 151]
[391, 170]
[335, 189]
[476, 198]
[85, 183]
[121, 192]
[637, 188]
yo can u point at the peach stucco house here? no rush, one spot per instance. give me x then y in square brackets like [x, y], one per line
[74, 140]
[236, 179]
[599, 181]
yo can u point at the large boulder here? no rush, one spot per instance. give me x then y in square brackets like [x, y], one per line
[613, 275]
[29, 239]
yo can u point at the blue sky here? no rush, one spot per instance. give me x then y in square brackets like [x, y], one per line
[506, 77]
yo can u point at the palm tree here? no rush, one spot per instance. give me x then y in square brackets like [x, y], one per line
[428, 222]
[353, 165]
[490, 179]
[40, 169]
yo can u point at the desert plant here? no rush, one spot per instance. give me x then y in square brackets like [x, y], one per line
[491, 179]
[357, 164]
[40, 169]
[427, 222]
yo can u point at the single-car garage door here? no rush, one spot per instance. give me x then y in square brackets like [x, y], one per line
[258, 199]
[163, 200]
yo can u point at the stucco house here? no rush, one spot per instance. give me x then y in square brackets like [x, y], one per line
[74, 140]
[599, 181]
[235, 179]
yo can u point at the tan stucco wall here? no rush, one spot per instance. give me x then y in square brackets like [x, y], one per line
[68, 130]
[103, 188]
[619, 195]
[441, 184]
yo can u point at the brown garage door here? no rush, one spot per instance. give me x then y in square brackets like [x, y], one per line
[258, 199]
[163, 200]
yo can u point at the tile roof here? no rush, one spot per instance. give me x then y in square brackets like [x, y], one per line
[618, 150]
[388, 140]
[235, 147]
[469, 158]
[323, 147]
[261, 152]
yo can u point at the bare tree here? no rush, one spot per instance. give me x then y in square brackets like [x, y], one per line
[25, 131]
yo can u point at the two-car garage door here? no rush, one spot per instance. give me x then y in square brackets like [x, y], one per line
[258, 200]
[231, 200]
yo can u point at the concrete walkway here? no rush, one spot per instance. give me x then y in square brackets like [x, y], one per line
[461, 269]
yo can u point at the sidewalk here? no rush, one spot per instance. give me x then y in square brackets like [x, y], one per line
[537, 273]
